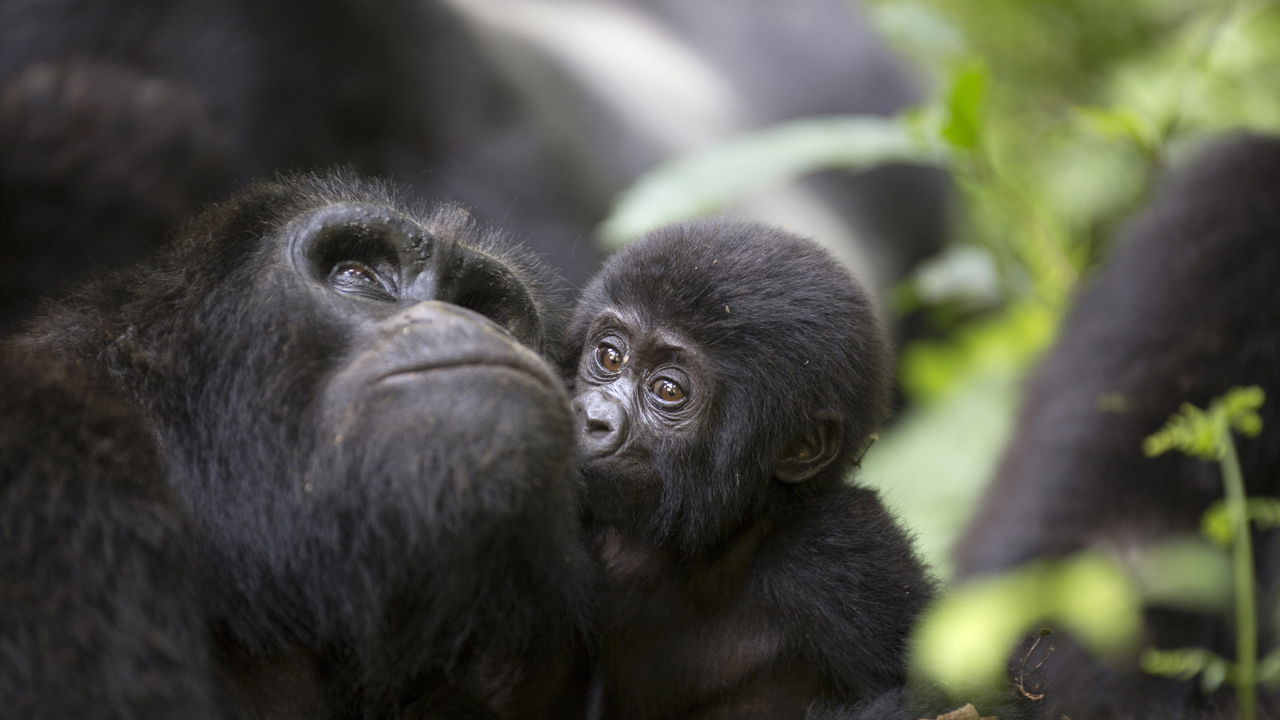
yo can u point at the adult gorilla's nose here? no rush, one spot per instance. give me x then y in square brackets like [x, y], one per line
[602, 423]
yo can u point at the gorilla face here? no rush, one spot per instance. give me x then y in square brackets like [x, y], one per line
[353, 411]
[434, 376]
[644, 397]
[717, 362]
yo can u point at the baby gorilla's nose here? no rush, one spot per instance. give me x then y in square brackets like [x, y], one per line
[602, 423]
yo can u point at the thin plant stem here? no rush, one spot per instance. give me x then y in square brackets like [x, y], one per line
[1242, 571]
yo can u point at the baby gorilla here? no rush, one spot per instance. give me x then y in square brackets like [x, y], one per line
[729, 377]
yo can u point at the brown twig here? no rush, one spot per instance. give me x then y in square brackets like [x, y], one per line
[1022, 666]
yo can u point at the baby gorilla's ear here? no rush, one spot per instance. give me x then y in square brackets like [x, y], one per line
[814, 451]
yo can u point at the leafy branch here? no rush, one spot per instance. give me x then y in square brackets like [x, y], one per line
[1206, 434]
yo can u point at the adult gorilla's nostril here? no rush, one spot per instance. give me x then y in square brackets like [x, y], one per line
[603, 423]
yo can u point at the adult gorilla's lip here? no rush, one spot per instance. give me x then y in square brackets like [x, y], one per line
[434, 336]
[475, 350]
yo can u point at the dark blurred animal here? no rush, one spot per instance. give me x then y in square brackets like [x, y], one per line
[1185, 309]
[120, 119]
[728, 377]
[306, 462]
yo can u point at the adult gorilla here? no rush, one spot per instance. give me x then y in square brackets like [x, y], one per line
[304, 463]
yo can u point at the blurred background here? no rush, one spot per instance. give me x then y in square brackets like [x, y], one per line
[970, 161]
[1055, 119]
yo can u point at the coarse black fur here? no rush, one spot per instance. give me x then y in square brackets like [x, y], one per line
[731, 591]
[339, 486]
[84, 513]
[1186, 308]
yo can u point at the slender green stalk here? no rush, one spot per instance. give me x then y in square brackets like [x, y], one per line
[1242, 570]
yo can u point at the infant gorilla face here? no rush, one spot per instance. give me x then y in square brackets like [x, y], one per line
[639, 385]
[714, 362]
[644, 393]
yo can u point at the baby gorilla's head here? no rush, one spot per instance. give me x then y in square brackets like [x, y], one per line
[718, 363]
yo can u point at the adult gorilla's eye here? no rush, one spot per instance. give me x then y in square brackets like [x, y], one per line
[667, 391]
[359, 279]
[609, 357]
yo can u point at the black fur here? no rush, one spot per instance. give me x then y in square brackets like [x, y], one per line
[730, 592]
[1187, 307]
[95, 580]
[344, 489]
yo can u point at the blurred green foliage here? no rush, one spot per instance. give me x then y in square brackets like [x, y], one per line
[964, 641]
[1207, 434]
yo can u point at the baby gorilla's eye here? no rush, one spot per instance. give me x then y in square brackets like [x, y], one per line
[667, 391]
[609, 357]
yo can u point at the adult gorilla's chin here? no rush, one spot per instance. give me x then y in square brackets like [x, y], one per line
[467, 484]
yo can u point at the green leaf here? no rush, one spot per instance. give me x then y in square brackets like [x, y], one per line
[1239, 407]
[1196, 432]
[1215, 673]
[1091, 595]
[1189, 430]
[966, 101]
[1216, 522]
[964, 639]
[704, 182]
[1183, 664]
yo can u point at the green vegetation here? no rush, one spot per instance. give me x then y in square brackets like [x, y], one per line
[1207, 435]
[966, 638]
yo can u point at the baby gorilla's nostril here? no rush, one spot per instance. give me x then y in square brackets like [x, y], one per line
[598, 425]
